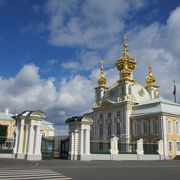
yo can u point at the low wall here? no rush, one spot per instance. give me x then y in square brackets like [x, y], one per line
[124, 157]
[9, 156]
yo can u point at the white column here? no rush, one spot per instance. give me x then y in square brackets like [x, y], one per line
[20, 141]
[26, 139]
[87, 141]
[30, 140]
[76, 144]
[81, 144]
[37, 150]
[16, 142]
[127, 125]
[71, 145]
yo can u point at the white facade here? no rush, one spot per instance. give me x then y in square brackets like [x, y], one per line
[131, 111]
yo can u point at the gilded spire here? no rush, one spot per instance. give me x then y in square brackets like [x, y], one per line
[126, 60]
[102, 80]
[150, 80]
[125, 50]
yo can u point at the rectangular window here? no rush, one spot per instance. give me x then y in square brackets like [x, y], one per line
[155, 127]
[145, 127]
[100, 145]
[118, 113]
[137, 128]
[170, 146]
[177, 146]
[109, 129]
[101, 130]
[109, 115]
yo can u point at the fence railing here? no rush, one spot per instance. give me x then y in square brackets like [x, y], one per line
[6, 145]
[100, 147]
[127, 148]
[150, 148]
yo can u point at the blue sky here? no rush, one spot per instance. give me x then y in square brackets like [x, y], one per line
[50, 50]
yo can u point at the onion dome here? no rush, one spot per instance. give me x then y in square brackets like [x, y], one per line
[150, 80]
[126, 72]
[131, 62]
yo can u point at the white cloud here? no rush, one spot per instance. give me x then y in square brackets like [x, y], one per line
[158, 45]
[27, 90]
[91, 23]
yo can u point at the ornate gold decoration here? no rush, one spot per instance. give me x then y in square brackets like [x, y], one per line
[150, 80]
[125, 61]
[141, 92]
[126, 73]
[102, 80]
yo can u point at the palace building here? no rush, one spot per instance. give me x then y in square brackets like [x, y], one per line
[131, 111]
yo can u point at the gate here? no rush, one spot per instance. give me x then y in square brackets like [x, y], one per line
[47, 148]
[64, 149]
[150, 148]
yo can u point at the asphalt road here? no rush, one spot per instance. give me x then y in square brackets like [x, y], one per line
[103, 170]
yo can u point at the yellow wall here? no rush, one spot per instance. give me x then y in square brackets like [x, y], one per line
[10, 124]
[172, 137]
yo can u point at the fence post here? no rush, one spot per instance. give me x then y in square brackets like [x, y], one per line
[140, 150]
[114, 147]
[160, 149]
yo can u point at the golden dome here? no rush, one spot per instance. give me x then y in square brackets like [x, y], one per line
[150, 80]
[126, 72]
[131, 62]
[102, 80]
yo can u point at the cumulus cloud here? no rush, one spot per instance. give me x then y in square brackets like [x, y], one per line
[91, 23]
[158, 45]
[27, 90]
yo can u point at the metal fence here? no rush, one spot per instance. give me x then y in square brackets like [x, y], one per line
[6, 145]
[100, 147]
[127, 148]
[47, 148]
[150, 148]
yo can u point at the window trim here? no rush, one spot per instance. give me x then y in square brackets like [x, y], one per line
[176, 146]
[171, 126]
[169, 146]
[177, 129]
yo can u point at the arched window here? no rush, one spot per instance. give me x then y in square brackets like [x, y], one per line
[177, 127]
[118, 129]
[118, 113]
[129, 89]
[101, 116]
[109, 115]
[169, 126]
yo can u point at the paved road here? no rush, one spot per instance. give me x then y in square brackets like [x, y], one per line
[31, 174]
[105, 170]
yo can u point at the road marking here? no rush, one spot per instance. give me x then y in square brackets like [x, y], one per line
[31, 174]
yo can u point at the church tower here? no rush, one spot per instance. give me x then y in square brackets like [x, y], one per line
[126, 65]
[102, 86]
[151, 88]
